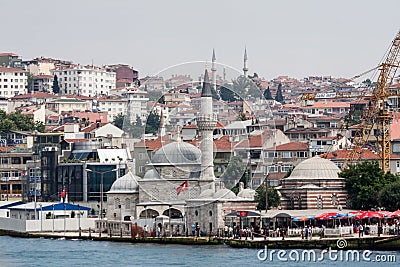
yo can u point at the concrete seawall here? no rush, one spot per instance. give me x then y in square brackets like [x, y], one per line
[371, 243]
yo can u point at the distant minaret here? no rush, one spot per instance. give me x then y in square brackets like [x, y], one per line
[162, 125]
[214, 71]
[245, 68]
[206, 122]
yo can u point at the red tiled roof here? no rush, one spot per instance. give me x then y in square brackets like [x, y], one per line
[345, 154]
[8, 55]
[153, 144]
[5, 69]
[40, 95]
[90, 128]
[223, 143]
[292, 146]
[190, 126]
[78, 96]
[255, 140]
[220, 125]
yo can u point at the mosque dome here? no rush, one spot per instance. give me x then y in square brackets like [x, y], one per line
[126, 184]
[224, 194]
[315, 168]
[177, 153]
[207, 194]
[247, 193]
[151, 174]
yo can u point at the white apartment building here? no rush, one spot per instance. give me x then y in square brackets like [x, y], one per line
[137, 104]
[12, 82]
[88, 81]
[62, 104]
[112, 106]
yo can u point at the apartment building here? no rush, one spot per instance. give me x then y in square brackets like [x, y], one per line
[87, 81]
[12, 82]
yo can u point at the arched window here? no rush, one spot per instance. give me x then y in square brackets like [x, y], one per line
[116, 203]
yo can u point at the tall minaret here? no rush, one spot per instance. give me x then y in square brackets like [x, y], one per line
[214, 71]
[245, 68]
[206, 121]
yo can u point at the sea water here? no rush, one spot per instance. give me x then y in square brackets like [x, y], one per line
[62, 252]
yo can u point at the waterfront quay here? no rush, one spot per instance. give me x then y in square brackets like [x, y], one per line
[383, 242]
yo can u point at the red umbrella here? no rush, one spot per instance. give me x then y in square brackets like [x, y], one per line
[369, 214]
[394, 214]
[325, 216]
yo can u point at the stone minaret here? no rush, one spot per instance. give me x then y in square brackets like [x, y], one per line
[206, 122]
[214, 71]
[245, 68]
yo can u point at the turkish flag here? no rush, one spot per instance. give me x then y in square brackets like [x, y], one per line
[64, 193]
[184, 186]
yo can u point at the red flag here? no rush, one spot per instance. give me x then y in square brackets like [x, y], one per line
[184, 186]
[64, 193]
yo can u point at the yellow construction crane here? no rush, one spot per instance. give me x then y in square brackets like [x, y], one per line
[377, 111]
[376, 115]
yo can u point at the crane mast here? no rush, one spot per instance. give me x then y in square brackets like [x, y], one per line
[377, 111]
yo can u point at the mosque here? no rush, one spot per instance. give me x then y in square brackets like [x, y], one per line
[179, 182]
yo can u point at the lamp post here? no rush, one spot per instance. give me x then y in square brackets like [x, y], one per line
[79, 219]
[169, 215]
[101, 194]
[52, 205]
[41, 217]
[120, 217]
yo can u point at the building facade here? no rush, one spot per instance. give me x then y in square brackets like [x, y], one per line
[87, 81]
[12, 82]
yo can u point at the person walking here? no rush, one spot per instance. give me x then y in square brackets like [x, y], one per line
[360, 231]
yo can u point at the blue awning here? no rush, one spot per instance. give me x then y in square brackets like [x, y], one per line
[68, 206]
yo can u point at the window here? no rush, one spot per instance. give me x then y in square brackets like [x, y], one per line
[286, 168]
[301, 154]
[117, 203]
[127, 203]
[286, 154]
[272, 155]
[273, 168]
[142, 156]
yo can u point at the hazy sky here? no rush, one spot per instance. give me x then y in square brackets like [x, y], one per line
[296, 38]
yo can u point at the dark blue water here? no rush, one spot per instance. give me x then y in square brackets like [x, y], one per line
[60, 253]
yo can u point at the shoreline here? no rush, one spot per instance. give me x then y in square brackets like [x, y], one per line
[383, 243]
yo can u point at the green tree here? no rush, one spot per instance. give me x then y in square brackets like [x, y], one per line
[389, 196]
[55, 87]
[279, 96]
[267, 94]
[19, 122]
[152, 123]
[363, 182]
[241, 116]
[137, 128]
[119, 120]
[274, 200]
